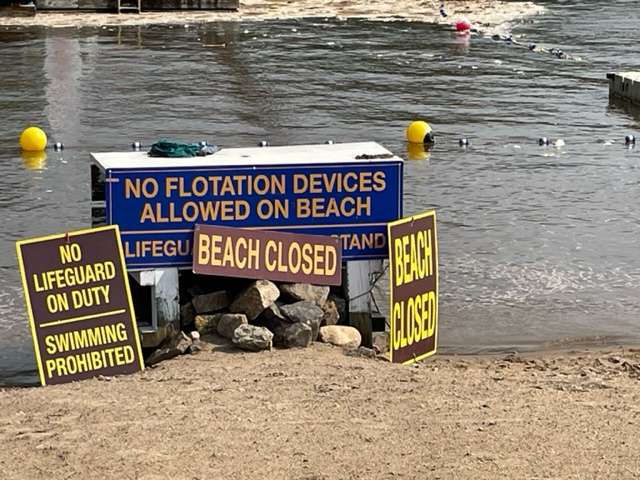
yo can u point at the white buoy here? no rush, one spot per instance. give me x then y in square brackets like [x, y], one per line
[58, 146]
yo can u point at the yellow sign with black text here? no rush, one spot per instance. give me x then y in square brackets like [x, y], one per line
[413, 265]
[79, 305]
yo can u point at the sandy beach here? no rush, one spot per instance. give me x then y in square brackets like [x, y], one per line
[486, 15]
[320, 414]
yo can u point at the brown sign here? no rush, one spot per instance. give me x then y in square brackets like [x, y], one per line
[413, 263]
[262, 254]
[79, 304]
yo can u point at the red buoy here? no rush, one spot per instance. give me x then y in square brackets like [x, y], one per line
[463, 25]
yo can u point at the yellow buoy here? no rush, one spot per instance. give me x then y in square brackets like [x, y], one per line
[420, 132]
[33, 139]
[417, 151]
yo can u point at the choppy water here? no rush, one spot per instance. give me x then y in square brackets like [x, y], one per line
[538, 245]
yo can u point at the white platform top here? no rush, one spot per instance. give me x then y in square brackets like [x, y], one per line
[256, 156]
[634, 75]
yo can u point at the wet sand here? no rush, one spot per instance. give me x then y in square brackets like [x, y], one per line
[320, 414]
[487, 15]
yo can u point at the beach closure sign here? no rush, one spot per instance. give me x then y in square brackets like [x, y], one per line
[265, 254]
[348, 191]
[413, 266]
[79, 305]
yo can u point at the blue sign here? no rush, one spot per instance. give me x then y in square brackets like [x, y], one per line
[157, 209]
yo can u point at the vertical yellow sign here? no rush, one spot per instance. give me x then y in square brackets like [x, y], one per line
[413, 264]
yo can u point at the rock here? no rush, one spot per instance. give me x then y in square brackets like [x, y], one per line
[380, 341]
[197, 346]
[305, 292]
[207, 323]
[229, 322]
[187, 315]
[341, 305]
[211, 302]
[272, 319]
[272, 312]
[195, 290]
[304, 312]
[331, 315]
[172, 347]
[252, 338]
[253, 300]
[363, 352]
[341, 336]
[295, 335]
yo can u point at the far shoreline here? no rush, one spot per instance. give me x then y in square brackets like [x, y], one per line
[487, 16]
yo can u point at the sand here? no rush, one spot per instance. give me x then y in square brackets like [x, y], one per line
[320, 414]
[486, 15]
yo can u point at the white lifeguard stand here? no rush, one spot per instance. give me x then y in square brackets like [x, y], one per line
[157, 289]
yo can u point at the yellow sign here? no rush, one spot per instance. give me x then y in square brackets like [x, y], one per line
[413, 264]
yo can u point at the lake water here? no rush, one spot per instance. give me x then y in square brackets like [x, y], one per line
[538, 245]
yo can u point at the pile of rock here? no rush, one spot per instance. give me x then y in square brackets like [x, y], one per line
[263, 315]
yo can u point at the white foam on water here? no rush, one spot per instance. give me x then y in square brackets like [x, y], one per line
[529, 284]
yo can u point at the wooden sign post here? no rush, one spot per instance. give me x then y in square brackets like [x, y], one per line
[79, 305]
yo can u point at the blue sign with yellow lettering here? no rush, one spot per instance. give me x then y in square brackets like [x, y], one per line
[157, 209]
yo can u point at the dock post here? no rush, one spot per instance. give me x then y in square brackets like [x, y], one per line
[361, 275]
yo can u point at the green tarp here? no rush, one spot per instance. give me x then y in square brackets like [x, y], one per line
[165, 148]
